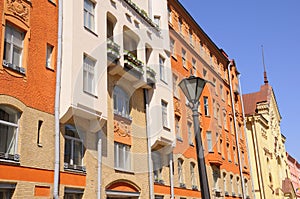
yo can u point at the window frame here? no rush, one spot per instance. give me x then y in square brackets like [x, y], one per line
[125, 151]
[209, 141]
[206, 106]
[89, 14]
[183, 58]
[121, 100]
[49, 56]
[89, 71]
[162, 69]
[12, 128]
[164, 111]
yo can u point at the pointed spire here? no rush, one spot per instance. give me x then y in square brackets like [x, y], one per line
[265, 72]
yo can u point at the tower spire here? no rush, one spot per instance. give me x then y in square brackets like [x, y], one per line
[265, 72]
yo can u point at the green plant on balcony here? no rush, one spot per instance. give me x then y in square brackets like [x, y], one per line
[113, 49]
[131, 62]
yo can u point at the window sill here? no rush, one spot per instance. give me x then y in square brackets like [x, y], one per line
[9, 162]
[121, 170]
[164, 81]
[192, 144]
[129, 119]
[90, 31]
[90, 94]
[50, 69]
[179, 139]
[174, 57]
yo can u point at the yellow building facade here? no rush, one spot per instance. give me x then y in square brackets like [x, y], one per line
[267, 154]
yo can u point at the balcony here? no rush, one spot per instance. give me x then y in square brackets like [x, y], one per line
[215, 159]
[151, 76]
[133, 64]
[113, 52]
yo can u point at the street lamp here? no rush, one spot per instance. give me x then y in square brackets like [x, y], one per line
[192, 88]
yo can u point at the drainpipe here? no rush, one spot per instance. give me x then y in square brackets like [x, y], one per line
[151, 189]
[243, 111]
[99, 167]
[57, 102]
[171, 176]
[236, 132]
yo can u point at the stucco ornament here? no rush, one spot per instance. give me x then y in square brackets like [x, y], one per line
[121, 128]
[19, 8]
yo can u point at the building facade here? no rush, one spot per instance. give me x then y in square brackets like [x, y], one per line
[270, 172]
[28, 46]
[294, 167]
[115, 111]
[221, 118]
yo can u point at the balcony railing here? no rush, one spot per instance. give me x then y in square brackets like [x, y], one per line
[151, 76]
[113, 50]
[132, 63]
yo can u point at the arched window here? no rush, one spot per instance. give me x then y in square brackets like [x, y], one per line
[121, 102]
[180, 172]
[193, 176]
[9, 118]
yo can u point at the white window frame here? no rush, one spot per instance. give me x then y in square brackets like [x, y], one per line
[162, 69]
[180, 171]
[192, 173]
[224, 182]
[190, 133]
[206, 106]
[49, 56]
[14, 42]
[74, 140]
[164, 111]
[12, 130]
[183, 56]
[175, 86]
[89, 71]
[122, 155]
[209, 141]
[157, 165]
[89, 14]
[121, 102]
[194, 65]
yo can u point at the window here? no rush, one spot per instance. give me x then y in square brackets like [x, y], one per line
[194, 66]
[243, 160]
[201, 51]
[219, 144]
[190, 134]
[215, 85]
[71, 193]
[228, 152]
[121, 102]
[191, 38]
[49, 58]
[13, 48]
[164, 110]
[89, 15]
[180, 26]
[175, 86]
[177, 128]
[157, 165]
[209, 141]
[193, 176]
[158, 197]
[172, 46]
[180, 171]
[206, 110]
[234, 155]
[157, 20]
[7, 190]
[183, 58]
[162, 69]
[215, 108]
[204, 73]
[169, 15]
[88, 75]
[221, 91]
[231, 184]
[218, 116]
[224, 182]
[238, 185]
[9, 123]
[122, 156]
[246, 187]
[73, 149]
[225, 120]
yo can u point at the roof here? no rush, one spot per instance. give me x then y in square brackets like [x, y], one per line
[252, 99]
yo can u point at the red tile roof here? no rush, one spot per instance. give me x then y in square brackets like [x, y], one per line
[252, 99]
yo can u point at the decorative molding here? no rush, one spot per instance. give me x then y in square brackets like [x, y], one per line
[19, 8]
[122, 129]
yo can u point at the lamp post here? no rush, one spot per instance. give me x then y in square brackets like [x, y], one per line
[192, 88]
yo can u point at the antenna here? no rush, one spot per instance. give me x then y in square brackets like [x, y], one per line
[263, 59]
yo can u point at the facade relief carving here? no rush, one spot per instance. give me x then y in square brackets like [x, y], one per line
[18, 8]
[122, 129]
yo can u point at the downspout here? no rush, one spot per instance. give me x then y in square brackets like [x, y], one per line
[248, 155]
[150, 167]
[99, 168]
[236, 132]
[171, 176]
[57, 102]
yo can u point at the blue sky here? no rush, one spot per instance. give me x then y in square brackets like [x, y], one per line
[240, 28]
